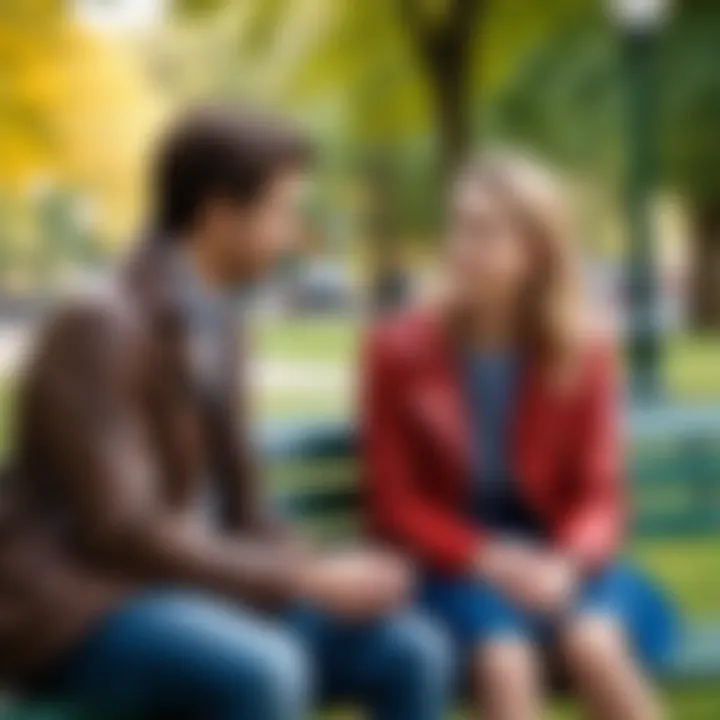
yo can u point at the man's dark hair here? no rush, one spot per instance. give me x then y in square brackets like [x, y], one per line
[219, 153]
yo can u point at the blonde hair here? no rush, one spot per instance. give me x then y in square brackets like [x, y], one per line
[537, 203]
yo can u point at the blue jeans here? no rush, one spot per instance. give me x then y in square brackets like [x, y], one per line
[177, 654]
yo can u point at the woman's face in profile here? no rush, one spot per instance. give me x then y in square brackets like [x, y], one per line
[488, 259]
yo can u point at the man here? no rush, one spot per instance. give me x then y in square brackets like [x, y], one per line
[119, 585]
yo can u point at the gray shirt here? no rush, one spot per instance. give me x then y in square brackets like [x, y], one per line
[211, 316]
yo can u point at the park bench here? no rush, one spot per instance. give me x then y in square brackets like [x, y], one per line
[674, 471]
[674, 458]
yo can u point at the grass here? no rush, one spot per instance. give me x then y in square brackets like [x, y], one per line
[690, 368]
[687, 703]
[307, 340]
[317, 340]
[688, 568]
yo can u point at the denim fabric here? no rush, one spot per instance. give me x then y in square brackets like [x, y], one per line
[174, 654]
[474, 613]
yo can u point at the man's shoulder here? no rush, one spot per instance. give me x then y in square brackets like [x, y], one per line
[97, 316]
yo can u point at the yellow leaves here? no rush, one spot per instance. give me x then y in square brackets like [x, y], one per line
[19, 156]
[73, 106]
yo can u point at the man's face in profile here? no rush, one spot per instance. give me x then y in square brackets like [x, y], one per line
[250, 239]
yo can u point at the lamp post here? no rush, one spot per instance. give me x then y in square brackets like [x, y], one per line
[639, 23]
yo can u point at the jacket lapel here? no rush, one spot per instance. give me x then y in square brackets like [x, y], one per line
[150, 275]
[440, 406]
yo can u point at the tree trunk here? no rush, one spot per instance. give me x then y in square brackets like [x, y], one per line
[704, 287]
[449, 77]
[449, 55]
[446, 51]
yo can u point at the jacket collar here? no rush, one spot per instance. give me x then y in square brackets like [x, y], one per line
[443, 402]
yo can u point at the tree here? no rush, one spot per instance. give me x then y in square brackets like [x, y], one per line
[567, 101]
[392, 77]
[391, 86]
[691, 146]
[445, 49]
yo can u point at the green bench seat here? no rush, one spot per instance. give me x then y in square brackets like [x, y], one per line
[674, 468]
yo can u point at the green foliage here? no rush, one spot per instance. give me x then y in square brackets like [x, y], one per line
[195, 8]
[691, 86]
[567, 100]
[547, 75]
[361, 73]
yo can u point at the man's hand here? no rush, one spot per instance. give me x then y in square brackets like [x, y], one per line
[535, 578]
[355, 584]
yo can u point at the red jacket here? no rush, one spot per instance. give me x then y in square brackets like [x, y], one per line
[416, 449]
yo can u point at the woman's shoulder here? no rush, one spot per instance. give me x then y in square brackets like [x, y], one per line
[406, 334]
[599, 342]
[599, 355]
[591, 358]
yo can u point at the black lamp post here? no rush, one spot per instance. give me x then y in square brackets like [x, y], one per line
[639, 23]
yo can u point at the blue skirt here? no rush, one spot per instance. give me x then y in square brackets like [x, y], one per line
[475, 613]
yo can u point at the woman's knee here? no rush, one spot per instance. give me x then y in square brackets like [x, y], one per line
[591, 644]
[505, 681]
[505, 666]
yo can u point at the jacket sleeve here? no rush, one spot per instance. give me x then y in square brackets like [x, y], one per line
[396, 506]
[592, 525]
[88, 392]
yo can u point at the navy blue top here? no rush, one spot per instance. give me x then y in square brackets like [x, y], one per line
[491, 381]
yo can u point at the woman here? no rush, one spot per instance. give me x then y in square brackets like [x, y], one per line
[491, 454]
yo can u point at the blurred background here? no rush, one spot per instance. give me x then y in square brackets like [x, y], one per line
[622, 95]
